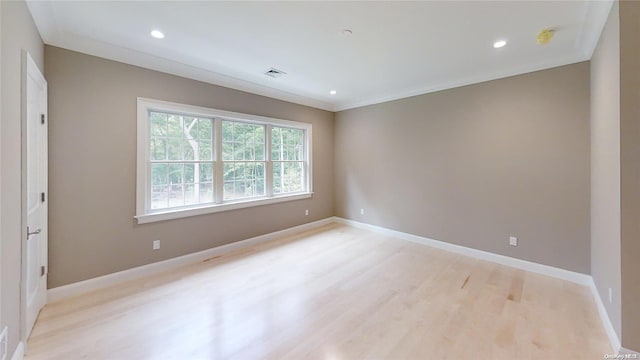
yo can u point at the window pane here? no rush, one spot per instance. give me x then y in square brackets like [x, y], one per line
[159, 197]
[189, 173]
[204, 129]
[239, 132]
[158, 124]
[190, 127]
[287, 144]
[243, 180]
[159, 174]
[206, 193]
[175, 126]
[174, 148]
[158, 149]
[259, 151]
[288, 177]
[176, 195]
[205, 150]
[242, 141]
[189, 194]
[206, 173]
[189, 148]
[227, 151]
[175, 173]
[227, 131]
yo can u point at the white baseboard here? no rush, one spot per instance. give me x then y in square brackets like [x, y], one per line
[604, 317]
[563, 274]
[19, 353]
[624, 351]
[582, 279]
[81, 287]
[85, 286]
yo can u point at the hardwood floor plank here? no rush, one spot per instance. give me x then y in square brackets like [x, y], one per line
[335, 292]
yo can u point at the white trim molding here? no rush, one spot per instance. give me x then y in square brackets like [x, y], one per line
[604, 317]
[19, 353]
[624, 351]
[210, 209]
[547, 270]
[82, 287]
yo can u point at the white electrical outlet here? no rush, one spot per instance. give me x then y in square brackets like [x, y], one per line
[306, 212]
[610, 296]
[361, 211]
[156, 244]
[513, 241]
[3, 343]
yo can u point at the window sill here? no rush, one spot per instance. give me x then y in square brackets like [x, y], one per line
[208, 209]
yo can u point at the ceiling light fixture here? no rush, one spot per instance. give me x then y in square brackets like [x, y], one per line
[333, 92]
[347, 32]
[500, 43]
[157, 34]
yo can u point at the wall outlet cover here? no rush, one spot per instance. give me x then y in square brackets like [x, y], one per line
[513, 241]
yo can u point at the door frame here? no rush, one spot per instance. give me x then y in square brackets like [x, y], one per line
[27, 64]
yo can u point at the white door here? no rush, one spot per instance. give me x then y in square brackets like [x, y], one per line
[35, 248]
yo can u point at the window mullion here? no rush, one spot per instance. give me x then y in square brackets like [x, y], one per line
[268, 181]
[218, 168]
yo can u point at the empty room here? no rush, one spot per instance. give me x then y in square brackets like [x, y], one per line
[319, 180]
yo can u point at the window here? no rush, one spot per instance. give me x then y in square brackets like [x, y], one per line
[243, 159]
[194, 160]
[181, 161]
[287, 154]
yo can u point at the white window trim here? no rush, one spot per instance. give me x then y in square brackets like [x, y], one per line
[143, 215]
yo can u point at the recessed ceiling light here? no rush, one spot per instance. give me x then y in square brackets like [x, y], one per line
[157, 34]
[500, 43]
[333, 92]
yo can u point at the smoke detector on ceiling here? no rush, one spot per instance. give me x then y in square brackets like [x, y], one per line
[275, 73]
[545, 36]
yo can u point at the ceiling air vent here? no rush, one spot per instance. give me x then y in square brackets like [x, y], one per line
[275, 73]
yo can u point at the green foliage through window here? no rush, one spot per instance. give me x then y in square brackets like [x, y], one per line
[183, 159]
[181, 154]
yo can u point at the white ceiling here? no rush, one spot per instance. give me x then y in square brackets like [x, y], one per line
[397, 49]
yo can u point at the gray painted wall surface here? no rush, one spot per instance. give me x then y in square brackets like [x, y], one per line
[92, 140]
[605, 167]
[475, 164]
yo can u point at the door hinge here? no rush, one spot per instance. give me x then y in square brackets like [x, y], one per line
[42, 270]
[42, 197]
[42, 118]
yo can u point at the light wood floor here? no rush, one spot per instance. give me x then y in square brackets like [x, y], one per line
[332, 293]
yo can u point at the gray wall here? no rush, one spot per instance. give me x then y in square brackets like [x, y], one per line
[18, 33]
[630, 171]
[475, 164]
[92, 164]
[605, 167]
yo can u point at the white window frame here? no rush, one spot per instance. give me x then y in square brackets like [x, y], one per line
[144, 213]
